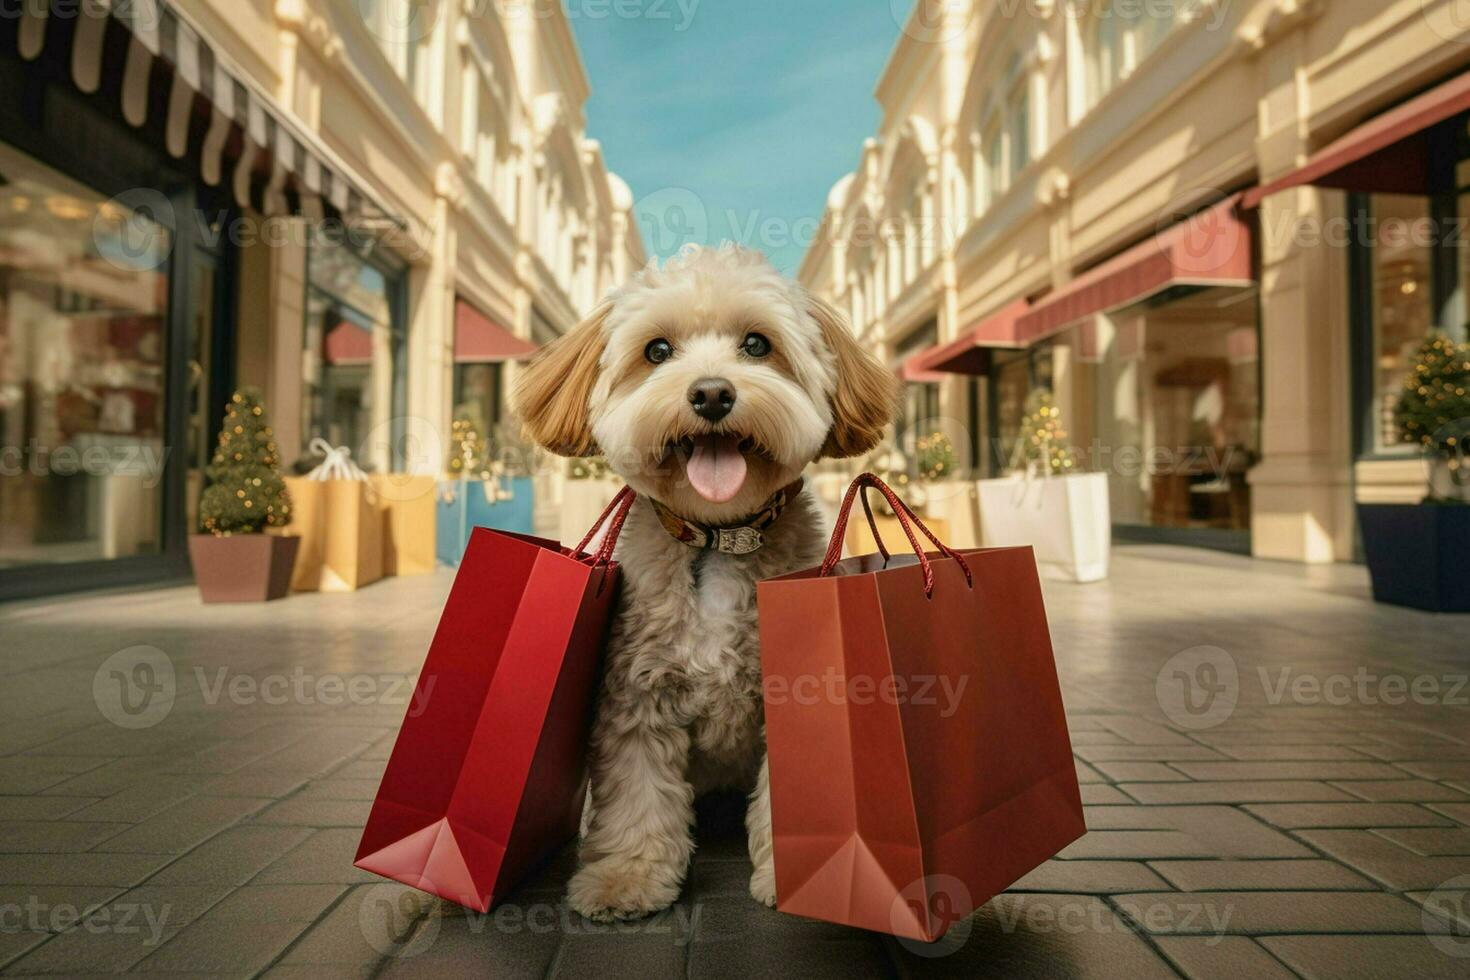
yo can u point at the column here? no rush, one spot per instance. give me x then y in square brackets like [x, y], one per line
[1301, 492]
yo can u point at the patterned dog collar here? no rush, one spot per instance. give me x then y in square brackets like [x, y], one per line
[740, 539]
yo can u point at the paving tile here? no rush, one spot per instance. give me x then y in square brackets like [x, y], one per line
[1459, 812]
[1183, 751]
[317, 813]
[1266, 791]
[1417, 753]
[1261, 913]
[141, 800]
[1087, 774]
[1403, 791]
[183, 825]
[1290, 770]
[1098, 794]
[858, 958]
[261, 785]
[1141, 732]
[233, 856]
[53, 836]
[1088, 737]
[40, 807]
[1298, 875]
[1291, 753]
[78, 869]
[1365, 957]
[121, 931]
[341, 789]
[324, 858]
[278, 903]
[1021, 937]
[497, 946]
[1383, 860]
[370, 923]
[1222, 958]
[1430, 841]
[1141, 772]
[1221, 831]
[1299, 815]
[220, 946]
[1090, 878]
[1438, 769]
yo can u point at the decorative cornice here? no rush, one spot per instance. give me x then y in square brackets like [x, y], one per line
[1279, 20]
[1053, 189]
[311, 27]
[449, 186]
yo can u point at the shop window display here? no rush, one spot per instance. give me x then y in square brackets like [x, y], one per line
[83, 301]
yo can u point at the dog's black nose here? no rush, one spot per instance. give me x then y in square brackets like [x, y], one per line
[712, 398]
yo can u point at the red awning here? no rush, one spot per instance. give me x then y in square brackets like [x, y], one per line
[1209, 248]
[1388, 154]
[970, 352]
[347, 344]
[480, 340]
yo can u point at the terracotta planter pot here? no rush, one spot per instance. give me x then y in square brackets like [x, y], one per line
[243, 567]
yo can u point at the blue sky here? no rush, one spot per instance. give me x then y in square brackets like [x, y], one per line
[733, 118]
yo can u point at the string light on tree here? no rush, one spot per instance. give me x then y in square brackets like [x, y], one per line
[468, 458]
[1043, 440]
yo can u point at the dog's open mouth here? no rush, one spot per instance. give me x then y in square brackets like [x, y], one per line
[715, 464]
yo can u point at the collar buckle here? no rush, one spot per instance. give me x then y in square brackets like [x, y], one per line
[738, 540]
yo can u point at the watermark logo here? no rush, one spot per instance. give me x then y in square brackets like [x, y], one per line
[1450, 901]
[672, 218]
[398, 921]
[1203, 235]
[945, 903]
[135, 688]
[400, 21]
[1198, 688]
[932, 21]
[131, 231]
[1451, 21]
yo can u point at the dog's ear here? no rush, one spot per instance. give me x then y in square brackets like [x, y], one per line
[553, 392]
[866, 400]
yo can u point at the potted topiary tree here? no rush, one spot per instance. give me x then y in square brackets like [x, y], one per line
[234, 560]
[1416, 552]
[1048, 502]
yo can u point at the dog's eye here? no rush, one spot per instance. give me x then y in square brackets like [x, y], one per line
[754, 345]
[658, 351]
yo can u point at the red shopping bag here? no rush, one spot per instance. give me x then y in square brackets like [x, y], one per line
[488, 775]
[919, 755]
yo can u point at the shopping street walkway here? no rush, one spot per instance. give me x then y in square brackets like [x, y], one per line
[1276, 773]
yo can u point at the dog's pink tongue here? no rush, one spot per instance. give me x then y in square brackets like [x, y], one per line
[716, 468]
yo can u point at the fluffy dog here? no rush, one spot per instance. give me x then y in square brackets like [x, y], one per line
[709, 385]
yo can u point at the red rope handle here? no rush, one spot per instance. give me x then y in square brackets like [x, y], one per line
[905, 514]
[617, 511]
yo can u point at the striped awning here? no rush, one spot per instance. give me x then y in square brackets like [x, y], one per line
[241, 137]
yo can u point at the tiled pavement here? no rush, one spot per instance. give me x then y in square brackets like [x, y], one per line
[1305, 811]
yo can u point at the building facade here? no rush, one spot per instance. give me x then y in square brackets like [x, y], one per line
[369, 208]
[1215, 232]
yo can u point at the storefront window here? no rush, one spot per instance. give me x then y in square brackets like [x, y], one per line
[354, 359]
[1177, 395]
[1015, 375]
[478, 395]
[83, 302]
[1401, 260]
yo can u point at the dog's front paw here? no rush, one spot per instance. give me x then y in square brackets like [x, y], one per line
[763, 886]
[617, 888]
